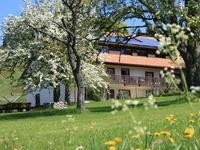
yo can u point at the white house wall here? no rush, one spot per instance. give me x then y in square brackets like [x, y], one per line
[117, 71]
[135, 91]
[136, 71]
[46, 96]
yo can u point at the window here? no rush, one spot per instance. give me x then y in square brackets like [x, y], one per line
[110, 71]
[125, 76]
[124, 71]
[104, 49]
[142, 53]
[161, 55]
[111, 94]
[149, 80]
[149, 74]
[126, 51]
[122, 51]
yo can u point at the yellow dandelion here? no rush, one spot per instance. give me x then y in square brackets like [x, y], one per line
[110, 143]
[134, 136]
[15, 149]
[189, 132]
[167, 133]
[138, 149]
[191, 121]
[171, 140]
[156, 134]
[170, 118]
[16, 138]
[191, 115]
[112, 148]
[91, 127]
[118, 139]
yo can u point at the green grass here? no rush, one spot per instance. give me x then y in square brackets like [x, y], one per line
[53, 129]
[9, 87]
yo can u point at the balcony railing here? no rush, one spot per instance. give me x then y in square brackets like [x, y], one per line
[136, 80]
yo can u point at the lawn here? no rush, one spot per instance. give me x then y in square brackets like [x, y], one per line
[71, 129]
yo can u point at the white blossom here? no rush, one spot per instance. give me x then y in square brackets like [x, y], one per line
[27, 44]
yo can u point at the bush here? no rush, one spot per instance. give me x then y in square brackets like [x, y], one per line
[123, 95]
[94, 95]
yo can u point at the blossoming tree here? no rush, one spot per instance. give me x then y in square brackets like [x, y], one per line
[52, 42]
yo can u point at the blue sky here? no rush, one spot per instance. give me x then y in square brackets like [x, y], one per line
[9, 7]
[13, 7]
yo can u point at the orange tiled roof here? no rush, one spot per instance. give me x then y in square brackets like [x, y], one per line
[137, 61]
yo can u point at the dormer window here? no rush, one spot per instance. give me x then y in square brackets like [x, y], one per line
[122, 51]
[142, 53]
[104, 49]
[126, 51]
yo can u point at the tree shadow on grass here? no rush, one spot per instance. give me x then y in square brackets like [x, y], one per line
[166, 103]
[70, 111]
[162, 103]
[100, 109]
[179, 100]
[37, 113]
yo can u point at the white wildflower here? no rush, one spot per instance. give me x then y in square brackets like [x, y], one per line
[79, 148]
[135, 102]
[128, 102]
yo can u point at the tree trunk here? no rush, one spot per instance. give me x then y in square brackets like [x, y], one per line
[75, 63]
[193, 71]
[81, 90]
[74, 56]
[191, 57]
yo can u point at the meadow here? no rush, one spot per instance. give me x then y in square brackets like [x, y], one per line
[173, 125]
[9, 87]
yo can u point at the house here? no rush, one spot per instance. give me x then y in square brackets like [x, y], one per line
[133, 66]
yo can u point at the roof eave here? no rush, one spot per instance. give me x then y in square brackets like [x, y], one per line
[137, 65]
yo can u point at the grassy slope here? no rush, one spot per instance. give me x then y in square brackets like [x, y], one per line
[51, 129]
[9, 87]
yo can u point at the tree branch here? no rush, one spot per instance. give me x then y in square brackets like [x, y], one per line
[46, 34]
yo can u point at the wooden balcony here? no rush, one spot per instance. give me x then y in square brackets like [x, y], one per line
[137, 81]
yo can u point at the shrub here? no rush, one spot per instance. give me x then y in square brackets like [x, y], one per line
[123, 95]
[94, 95]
